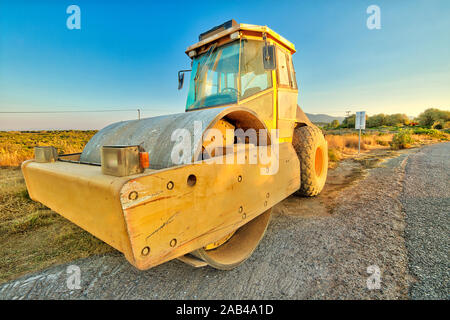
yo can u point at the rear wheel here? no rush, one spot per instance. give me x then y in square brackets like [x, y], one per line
[312, 151]
[237, 248]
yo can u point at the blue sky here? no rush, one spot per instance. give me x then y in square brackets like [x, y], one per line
[127, 55]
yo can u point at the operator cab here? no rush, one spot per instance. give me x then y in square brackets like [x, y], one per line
[246, 65]
[228, 74]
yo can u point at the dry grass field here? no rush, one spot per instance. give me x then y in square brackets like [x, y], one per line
[15, 146]
[345, 145]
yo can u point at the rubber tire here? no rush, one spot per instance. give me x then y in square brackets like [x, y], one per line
[312, 151]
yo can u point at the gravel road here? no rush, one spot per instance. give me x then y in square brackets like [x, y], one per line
[392, 218]
[426, 200]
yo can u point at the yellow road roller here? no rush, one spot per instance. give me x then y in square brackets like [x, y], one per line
[193, 185]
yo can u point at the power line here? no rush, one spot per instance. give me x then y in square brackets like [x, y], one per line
[73, 111]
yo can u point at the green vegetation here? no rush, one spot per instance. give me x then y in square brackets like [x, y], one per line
[431, 132]
[349, 122]
[402, 139]
[431, 118]
[334, 124]
[378, 120]
[434, 118]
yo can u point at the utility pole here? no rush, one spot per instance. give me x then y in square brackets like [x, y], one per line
[347, 115]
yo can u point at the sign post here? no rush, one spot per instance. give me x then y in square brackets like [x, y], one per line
[360, 123]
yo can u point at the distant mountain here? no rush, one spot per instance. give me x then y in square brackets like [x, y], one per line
[323, 118]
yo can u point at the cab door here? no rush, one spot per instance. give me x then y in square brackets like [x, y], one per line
[287, 94]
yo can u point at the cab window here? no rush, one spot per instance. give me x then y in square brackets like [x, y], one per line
[292, 77]
[254, 78]
[285, 69]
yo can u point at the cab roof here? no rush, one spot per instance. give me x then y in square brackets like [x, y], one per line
[228, 30]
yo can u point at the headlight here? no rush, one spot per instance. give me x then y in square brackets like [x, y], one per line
[123, 161]
[45, 154]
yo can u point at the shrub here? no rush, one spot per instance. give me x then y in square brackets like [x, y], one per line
[398, 119]
[430, 116]
[349, 122]
[437, 125]
[430, 132]
[402, 139]
[334, 155]
[334, 124]
[377, 120]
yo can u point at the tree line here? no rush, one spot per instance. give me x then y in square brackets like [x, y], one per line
[431, 118]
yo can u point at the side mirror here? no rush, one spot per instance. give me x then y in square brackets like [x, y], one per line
[269, 57]
[181, 78]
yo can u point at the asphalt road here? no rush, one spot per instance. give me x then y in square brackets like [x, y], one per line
[393, 218]
[426, 200]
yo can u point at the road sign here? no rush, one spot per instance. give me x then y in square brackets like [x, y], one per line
[360, 123]
[360, 120]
